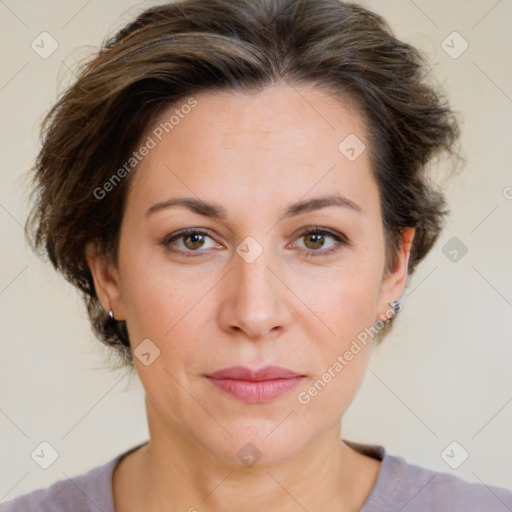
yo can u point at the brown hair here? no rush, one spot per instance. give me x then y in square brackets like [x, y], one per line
[174, 50]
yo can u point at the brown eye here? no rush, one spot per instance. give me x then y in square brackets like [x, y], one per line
[194, 241]
[315, 240]
[188, 242]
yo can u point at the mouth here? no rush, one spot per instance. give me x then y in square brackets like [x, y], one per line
[255, 386]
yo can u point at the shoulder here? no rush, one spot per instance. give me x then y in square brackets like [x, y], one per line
[418, 489]
[91, 491]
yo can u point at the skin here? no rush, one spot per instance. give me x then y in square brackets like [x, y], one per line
[254, 154]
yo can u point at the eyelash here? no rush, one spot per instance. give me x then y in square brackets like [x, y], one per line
[340, 239]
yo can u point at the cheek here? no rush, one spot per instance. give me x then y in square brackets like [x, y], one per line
[348, 308]
[340, 359]
[347, 301]
[155, 293]
[169, 304]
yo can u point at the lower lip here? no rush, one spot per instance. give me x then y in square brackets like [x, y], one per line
[256, 392]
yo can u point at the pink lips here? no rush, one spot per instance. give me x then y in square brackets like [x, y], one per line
[255, 386]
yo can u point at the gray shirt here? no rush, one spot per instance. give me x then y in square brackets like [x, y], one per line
[400, 487]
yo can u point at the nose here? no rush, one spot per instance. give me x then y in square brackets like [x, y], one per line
[256, 300]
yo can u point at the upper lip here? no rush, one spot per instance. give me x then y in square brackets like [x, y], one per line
[266, 373]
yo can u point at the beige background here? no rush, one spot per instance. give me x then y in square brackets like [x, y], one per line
[444, 375]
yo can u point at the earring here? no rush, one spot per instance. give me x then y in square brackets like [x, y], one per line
[397, 306]
[111, 315]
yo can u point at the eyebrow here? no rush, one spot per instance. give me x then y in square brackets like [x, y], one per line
[217, 211]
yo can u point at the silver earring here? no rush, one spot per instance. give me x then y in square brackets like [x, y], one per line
[396, 305]
[111, 315]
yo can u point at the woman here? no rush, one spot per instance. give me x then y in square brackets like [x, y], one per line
[239, 189]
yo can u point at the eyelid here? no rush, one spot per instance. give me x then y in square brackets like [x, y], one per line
[320, 229]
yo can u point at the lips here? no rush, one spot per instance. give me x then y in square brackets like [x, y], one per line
[242, 373]
[255, 386]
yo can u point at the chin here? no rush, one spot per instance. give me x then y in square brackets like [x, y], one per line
[260, 442]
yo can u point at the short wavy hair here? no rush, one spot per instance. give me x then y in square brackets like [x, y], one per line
[181, 48]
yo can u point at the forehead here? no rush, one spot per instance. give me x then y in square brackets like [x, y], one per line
[290, 114]
[259, 144]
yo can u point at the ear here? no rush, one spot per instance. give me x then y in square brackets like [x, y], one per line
[394, 281]
[106, 279]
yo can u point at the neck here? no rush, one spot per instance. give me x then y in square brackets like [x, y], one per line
[172, 470]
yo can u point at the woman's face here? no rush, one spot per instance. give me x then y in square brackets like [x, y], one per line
[249, 287]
